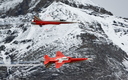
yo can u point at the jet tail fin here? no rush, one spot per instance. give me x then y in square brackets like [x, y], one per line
[47, 58]
[59, 54]
[37, 18]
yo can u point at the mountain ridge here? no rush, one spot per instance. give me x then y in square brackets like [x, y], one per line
[91, 37]
[25, 5]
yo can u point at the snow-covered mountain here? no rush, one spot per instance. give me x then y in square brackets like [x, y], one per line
[98, 35]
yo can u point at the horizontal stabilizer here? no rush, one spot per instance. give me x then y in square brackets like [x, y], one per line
[47, 58]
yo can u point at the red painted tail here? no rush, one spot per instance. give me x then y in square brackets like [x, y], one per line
[47, 58]
[37, 18]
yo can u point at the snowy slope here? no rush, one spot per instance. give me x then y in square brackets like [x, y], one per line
[117, 34]
[33, 4]
[23, 41]
[49, 34]
[107, 23]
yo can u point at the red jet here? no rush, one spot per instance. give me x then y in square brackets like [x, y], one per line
[38, 21]
[60, 59]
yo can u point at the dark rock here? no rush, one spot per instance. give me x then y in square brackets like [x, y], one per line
[25, 41]
[6, 53]
[9, 39]
[3, 73]
[2, 47]
[15, 42]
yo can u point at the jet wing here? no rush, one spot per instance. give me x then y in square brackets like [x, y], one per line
[58, 65]
[59, 54]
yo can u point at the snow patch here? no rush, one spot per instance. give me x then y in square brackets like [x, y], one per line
[5, 6]
[125, 62]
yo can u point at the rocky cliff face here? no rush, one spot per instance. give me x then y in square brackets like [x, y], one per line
[98, 35]
[22, 7]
